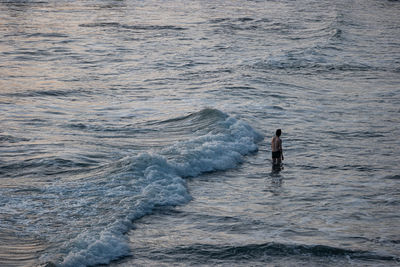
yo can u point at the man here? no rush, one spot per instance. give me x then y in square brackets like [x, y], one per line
[276, 146]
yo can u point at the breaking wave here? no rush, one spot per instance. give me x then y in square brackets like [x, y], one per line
[98, 210]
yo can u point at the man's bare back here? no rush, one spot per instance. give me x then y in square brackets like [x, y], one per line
[276, 144]
[276, 147]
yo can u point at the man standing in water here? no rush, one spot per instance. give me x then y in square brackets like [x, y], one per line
[276, 146]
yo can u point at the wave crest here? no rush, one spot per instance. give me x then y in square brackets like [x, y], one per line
[135, 185]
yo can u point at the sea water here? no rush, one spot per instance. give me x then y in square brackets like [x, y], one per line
[137, 133]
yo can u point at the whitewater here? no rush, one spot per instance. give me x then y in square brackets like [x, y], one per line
[137, 133]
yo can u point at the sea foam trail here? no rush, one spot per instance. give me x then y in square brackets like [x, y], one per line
[132, 187]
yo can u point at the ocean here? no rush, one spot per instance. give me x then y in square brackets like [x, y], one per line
[137, 133]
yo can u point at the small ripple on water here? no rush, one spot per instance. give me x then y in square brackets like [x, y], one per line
[19, 250]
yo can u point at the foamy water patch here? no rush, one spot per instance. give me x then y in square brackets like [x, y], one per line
[99, 210]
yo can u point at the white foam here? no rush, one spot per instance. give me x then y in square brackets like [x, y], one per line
[135, 185]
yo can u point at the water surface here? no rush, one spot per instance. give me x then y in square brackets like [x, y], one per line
[137, 133]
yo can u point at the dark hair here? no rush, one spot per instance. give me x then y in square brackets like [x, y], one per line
[278, 132]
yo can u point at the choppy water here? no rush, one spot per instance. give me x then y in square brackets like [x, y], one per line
[137, 133]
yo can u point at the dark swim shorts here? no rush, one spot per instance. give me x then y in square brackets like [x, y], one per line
[276, 155]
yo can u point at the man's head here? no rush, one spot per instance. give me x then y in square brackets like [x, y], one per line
[278, 132]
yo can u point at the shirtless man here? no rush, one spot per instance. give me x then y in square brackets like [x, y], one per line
[276, 146]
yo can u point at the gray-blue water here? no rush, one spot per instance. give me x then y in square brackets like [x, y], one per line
[137, 133]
